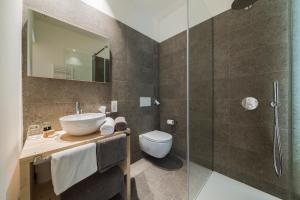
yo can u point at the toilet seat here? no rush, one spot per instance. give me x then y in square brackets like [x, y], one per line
[157, 136]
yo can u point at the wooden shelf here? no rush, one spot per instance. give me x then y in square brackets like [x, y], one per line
[39, 147]
[36, 145]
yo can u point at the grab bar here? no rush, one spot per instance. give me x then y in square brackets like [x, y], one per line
[277, 153]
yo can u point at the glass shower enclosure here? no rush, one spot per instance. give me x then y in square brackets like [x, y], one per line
[200, 102]
[239, 100]
[295, 75]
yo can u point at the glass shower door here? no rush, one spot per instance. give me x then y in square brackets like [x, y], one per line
[200, 100]
[295, 100]
[235, 54]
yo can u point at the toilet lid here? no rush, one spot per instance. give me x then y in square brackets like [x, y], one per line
[158, 136]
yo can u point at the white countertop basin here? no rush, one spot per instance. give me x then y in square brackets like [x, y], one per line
[82, 124]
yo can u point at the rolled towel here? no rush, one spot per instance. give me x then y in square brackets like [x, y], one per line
[108, 127]
[120, 124]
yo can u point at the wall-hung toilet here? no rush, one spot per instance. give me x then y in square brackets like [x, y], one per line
[156, 143]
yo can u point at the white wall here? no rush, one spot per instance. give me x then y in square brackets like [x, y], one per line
[129, 12]
[202, 10]
[10, 90]
[160, 19]
[175, 21]
[172, 23]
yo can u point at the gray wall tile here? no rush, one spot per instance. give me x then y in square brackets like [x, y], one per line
[172, 90]
[250, 52]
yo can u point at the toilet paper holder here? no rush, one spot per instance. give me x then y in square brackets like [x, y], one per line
[171, 122]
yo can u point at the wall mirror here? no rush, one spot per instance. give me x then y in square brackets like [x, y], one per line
[62, 51]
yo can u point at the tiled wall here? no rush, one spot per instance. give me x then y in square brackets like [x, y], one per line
[201, 94]
[251, 50]
[172, 77]
[134, 74]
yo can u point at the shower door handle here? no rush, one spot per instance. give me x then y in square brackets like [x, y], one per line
[277, 154]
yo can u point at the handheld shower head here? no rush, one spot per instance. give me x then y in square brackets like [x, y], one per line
[242, 4]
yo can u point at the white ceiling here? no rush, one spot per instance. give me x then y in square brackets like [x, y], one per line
[160, 19]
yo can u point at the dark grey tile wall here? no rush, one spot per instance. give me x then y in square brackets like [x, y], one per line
[172, 74]
[141, 71]
[172, 84]
[134, 74]
[251, 50]
[201, 94]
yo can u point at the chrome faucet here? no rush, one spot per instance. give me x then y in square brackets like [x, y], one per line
[78, 108]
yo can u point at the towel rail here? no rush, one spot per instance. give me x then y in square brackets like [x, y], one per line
[40, 159]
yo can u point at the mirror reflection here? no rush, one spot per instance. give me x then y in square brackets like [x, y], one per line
[62, 51]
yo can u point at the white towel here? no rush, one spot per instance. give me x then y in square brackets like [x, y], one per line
[108, 127]
[71, 166]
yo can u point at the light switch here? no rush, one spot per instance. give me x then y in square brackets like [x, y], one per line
[114, 106]
[145, 101]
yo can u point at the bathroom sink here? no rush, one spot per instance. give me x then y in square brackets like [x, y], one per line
[82, 124]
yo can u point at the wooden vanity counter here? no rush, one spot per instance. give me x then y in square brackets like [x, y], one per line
[38, 148]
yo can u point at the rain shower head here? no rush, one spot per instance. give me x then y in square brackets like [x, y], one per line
[242, 4]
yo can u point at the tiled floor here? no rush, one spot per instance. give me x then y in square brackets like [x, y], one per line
[153, 182]
[152, 179]
[166, 179]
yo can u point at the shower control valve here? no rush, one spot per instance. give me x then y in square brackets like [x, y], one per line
[250, 103]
